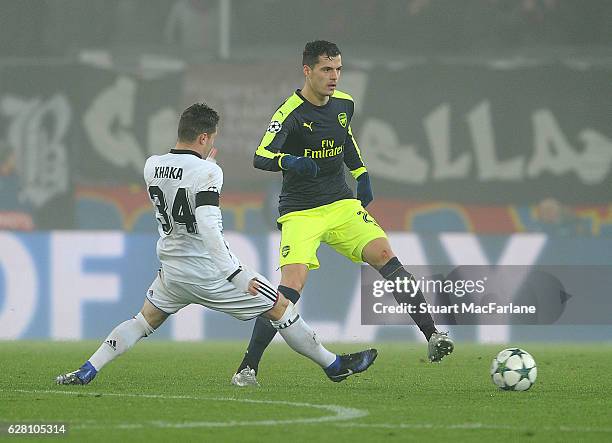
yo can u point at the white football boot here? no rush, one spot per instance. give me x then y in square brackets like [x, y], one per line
[246, 377]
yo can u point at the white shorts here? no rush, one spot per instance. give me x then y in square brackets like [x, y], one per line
[170, 295]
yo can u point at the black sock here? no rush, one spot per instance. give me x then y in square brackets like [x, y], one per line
[394, 269]
[263, 333]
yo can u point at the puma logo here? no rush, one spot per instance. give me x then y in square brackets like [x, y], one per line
[308, 125]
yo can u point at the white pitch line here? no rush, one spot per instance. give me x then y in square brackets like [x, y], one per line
[340, 412]
[470, 426]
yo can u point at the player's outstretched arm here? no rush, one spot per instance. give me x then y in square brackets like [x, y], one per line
[209, 219]
[210, 227]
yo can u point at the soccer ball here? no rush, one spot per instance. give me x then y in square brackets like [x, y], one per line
[514, 370]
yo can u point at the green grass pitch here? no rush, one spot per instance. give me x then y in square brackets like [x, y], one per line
[161, 391]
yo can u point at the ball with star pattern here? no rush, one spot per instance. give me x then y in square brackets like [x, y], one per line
[514, 369]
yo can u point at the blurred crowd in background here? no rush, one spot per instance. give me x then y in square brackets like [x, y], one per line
[463, 145]
[412, 27]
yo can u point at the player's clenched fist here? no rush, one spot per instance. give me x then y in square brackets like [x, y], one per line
[302, 165]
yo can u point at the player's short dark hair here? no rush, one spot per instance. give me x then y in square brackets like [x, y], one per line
[195, 120]
[314, 49]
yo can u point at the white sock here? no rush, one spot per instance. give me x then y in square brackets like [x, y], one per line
[301, 338]
[122, 338]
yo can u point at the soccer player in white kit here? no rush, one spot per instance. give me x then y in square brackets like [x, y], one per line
[197, 265]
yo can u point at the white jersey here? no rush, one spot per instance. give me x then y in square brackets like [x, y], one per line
[177, 183]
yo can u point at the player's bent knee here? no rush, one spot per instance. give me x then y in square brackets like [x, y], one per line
[378, 252]
[278, 310]
[385, 255]
[294, 276]
[152, 314]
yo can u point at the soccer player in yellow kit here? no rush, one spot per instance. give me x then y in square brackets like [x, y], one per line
[197, 265]
[309, 139]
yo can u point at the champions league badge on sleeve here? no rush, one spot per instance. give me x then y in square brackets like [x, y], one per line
[275, 127]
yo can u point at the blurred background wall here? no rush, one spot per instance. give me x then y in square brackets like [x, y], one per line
[485, 126]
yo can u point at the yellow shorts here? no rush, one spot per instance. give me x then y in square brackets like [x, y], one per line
[344, 225]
